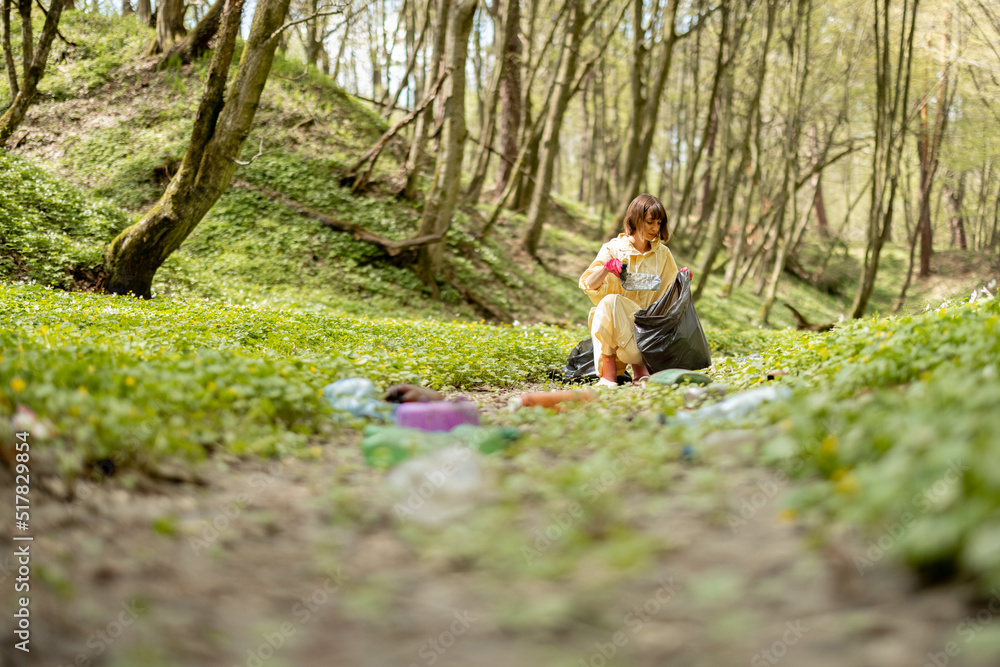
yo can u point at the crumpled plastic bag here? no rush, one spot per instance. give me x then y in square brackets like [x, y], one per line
[359, 397]
[738, 405]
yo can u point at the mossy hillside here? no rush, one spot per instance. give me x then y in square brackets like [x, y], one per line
[129, 132]
[50, 232]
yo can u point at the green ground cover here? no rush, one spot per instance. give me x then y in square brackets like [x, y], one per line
[199, 375]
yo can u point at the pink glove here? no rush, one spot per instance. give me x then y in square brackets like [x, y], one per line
[614, 265]
[688, 271]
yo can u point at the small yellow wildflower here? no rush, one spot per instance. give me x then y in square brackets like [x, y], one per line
[829, 444]
[130, 381]
[17, 384]
[847, 484]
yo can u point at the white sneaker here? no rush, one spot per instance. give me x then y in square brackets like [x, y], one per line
[606, 383]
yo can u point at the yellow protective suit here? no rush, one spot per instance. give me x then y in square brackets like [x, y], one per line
[612, 319]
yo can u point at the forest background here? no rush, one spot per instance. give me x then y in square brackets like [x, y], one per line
[777, 134]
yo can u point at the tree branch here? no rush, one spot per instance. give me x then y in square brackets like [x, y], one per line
[820, 166]
[297, 77]
[260, 151]
[377, 148]
[589, 65]
[390, 247]
[58, 34]
[338, 10]
[358, 175]
[329, 33]
[697, 26]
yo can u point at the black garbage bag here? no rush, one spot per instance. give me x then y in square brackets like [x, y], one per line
[668, 331]
[580, 365]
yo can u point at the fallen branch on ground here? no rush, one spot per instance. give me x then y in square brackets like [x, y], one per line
[390, 247]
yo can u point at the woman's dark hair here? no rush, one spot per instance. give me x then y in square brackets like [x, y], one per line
[636, 213]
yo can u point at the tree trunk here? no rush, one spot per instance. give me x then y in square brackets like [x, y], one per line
[647, 111]
[411, 60]
[913, 236]
[754, 123]
[197, 41]
[221, 126]
[891, 117]
[798, 47]
[169, 25]
[314, 31]
[995, 234]
[144, 12]
[720, 66]
[507, 22]
[387, 54]
[956, 223]
[477, 67]
[598, 148]
[443, 197]
[510, 97]
[33, 61]
[342, 47]
[587, 150]
[708, 193]
[822, 225]
[8, 53]
[726, 188]
[638, 100]
[928, 149]
[415, 159]
[127, 8]
[525, 187]
[411, 54]
[553, 124]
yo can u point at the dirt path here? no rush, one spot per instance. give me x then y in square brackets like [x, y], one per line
[294, 572]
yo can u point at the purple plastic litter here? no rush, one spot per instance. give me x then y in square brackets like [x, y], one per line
[437, 416]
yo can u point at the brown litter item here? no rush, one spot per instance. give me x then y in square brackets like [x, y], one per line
[551, 399]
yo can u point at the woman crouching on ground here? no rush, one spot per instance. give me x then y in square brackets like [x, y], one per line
[643, 247]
